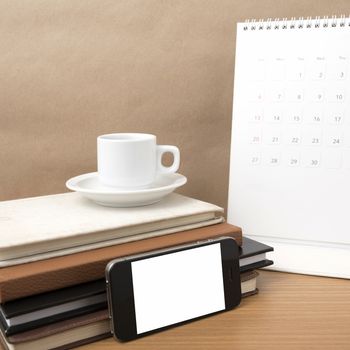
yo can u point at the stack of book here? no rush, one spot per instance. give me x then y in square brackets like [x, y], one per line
[54, 250]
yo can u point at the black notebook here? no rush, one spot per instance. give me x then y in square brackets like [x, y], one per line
[252, 255]
[31, 312]
[28, 313]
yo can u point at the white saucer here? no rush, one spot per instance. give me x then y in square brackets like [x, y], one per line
[89, 186]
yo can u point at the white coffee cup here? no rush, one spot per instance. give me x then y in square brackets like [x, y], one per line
[132, 160]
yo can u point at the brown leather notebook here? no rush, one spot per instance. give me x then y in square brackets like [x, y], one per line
[42, 276]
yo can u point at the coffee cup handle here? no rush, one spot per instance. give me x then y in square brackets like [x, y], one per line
[176, 163]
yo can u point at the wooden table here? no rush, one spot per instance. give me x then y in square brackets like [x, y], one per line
[290, 312]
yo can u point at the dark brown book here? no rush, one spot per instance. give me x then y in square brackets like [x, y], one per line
[42, 276]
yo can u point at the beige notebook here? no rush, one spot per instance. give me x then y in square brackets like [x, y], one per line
[43, 227]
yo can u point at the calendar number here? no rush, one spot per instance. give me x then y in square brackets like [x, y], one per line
[257, 117]
[319, 96]
[271, 158]
[318, 69]
[272, 135]
[256, 139]
[255, 160]
[296, 69]
[335, 114]
[339, 97]
[295, 118]
[340, 67]
[314, 113]
[311, 159]
[253, 135]
[335, 140]
[295, 95]
[313, 136]
[255, 94]
[279, 96]
[274, 115]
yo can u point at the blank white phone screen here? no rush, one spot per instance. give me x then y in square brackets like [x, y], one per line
[177, 287]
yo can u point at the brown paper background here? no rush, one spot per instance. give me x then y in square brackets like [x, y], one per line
[71, 70]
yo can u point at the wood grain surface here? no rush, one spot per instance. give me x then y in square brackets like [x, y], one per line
[291, 312]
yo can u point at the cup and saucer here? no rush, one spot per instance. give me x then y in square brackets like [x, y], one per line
[130, 172]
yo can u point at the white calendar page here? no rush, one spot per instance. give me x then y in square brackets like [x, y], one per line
[290, 147]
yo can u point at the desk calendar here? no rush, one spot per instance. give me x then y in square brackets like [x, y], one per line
[290, 147]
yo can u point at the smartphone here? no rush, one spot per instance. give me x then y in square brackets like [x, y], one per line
[164, 288]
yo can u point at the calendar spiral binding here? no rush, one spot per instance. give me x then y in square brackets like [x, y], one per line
[297, 23]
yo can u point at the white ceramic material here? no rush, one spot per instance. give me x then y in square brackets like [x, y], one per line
[90, 187]
[132, 160]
